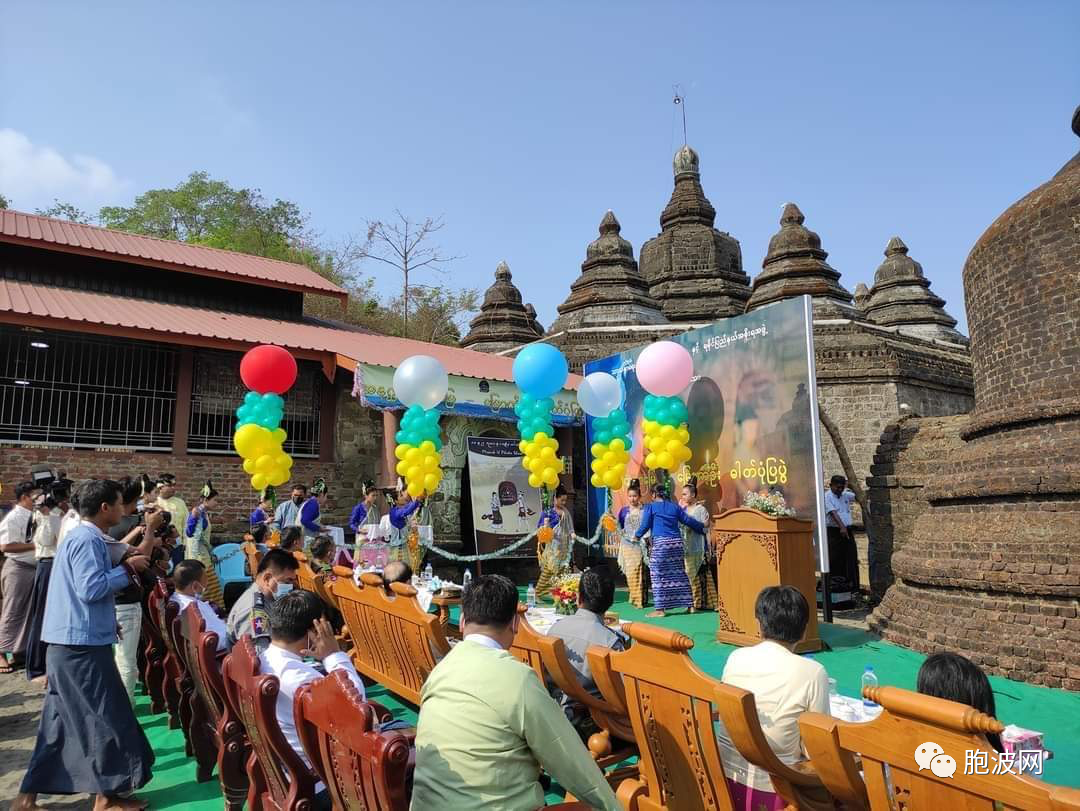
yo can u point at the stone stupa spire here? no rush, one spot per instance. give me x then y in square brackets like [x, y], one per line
[795, 265]
[610, 291]
[692, 269]
[503, 321]
[901, 297]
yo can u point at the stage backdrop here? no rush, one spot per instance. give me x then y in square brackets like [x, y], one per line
[752, 406]
[504, 507]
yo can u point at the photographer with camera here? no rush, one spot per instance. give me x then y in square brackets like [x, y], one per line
[136, 534]
[52, 506]
[17, 575]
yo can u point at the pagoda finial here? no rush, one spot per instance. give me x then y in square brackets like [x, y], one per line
[686, 161]
[791, 215]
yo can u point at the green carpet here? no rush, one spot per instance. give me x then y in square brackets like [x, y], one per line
[1056, 713]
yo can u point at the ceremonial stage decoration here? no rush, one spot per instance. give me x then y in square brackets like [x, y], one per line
[540, 371]
[269, 372]
[420, 383]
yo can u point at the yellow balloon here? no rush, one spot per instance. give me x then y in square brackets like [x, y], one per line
[597, 449]
[612, 479]
[400, 451]
[249, 466]
[414, 473]
[431, 462]
[684, 436]
[259, 482]
[547, 453]
[651, 461]
[431, 482]
[673, 446]
[264, 464]
[402, 467]
[667, 431]
[536, 465]
[617, 444]
[288, 461]
[596, 481]
[550, 477]
[412, 454]
[665, 460]
[427, 446]
[531, 448]
[521, 445]
[608, 458]
[596, 466]
[250, 439]
[278, 477]
[686, 454]
[525, 462]
[415, 489]
[535, 481]
[540, 436]
[278, 435]
[648, 426]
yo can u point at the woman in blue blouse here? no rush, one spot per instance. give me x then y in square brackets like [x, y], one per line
[404, 507]
[670, 585]
[308, 517]
[364, 512]
[198, 545]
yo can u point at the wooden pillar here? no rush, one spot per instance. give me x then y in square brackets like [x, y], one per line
[327, 420]
[185, 374]
[388, 472]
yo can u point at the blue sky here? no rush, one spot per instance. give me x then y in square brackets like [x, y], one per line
[522, 123]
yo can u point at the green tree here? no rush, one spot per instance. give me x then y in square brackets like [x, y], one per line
[65, 211]
[3, 201]
[436, 314]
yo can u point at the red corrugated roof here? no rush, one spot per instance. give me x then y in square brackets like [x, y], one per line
[78, 311]
[61, 235]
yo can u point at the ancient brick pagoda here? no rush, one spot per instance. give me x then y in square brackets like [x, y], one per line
[987, 561]
[901, 297]
[795, 265]
[694, 270]
[503, 321]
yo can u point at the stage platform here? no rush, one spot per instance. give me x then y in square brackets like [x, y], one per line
[1054, 712]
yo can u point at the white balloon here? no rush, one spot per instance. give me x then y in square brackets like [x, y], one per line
[599, 394]
[421, 380]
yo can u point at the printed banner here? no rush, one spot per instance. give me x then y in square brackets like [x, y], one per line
[467, 396]
[751, 425]
[504, 507]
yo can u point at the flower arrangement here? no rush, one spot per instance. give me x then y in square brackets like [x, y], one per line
[770, 502]
[565, 594]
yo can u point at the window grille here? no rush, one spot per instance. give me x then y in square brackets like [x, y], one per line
[83, 391]
[217, 391]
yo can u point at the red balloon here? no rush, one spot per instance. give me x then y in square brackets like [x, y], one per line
[268, 368]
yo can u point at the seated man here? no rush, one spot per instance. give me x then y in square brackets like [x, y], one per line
[322, 554]
[189, 578]
[298, 627]
[275, 578]
[784, 684]
[596, 593]
[487, 726]
[396, 571]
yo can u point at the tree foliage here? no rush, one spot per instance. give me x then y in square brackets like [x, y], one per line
[61, 210]
[3, 201]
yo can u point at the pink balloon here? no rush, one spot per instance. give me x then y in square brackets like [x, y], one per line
[664, 368]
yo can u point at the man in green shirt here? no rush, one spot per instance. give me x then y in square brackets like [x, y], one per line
[487, 725]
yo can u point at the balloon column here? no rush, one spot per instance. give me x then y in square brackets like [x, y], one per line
[664, 369]
[540, 371]
[421, 383]
[600, 396]
[269, 371]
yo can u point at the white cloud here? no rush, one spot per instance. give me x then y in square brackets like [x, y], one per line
[32, 175]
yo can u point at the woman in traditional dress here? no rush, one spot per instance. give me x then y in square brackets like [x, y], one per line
[523, 511]
[311, 511]
[400, 524]
[631, 551]
[697, 549]
[670, 585]
[197, 542]
[496, 510]
[556, 557]
[262, 516]
[168, 500]
[365, 514]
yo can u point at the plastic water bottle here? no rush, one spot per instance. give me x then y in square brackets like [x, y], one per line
[428, 573]
[466, 579]
[530, 596]
[869, 680]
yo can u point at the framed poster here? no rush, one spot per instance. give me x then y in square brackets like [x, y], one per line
[505, 508]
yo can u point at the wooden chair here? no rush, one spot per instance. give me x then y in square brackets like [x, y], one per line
[153, 657]
[669, 701]
[526, 647]
[280, 780]
[614, 742]
[252, 554]
[395, 642]
[158, 605]
[893, 779]
[362, 768]
[222, 727]
[194, 715]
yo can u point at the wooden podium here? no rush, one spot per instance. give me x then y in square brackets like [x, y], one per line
[755, 550]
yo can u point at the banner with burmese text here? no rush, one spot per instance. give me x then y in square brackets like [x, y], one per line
[504, 507]
[750, 417]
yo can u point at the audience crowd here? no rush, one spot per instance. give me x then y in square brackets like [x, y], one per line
[80, 562]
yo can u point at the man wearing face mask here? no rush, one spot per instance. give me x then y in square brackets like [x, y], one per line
[189, 578]
[250, 614]
[287, 511]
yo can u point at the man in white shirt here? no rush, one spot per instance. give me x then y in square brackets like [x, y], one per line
[784, 684]
[189, 578]
[298, 628]
[17, 576]
[843, 556]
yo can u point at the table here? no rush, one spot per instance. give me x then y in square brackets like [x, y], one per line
[846, 708]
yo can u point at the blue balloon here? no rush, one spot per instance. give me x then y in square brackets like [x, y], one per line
[540, 370]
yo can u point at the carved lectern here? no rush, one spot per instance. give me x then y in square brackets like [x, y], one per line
[755, 550]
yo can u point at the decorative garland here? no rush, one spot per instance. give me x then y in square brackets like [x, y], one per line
[507, 549]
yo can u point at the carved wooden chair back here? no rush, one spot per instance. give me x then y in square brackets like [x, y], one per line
[159, 608]
[669, 700]
[362, 768]
[253, 555]
[280, 780]
[305, 575]
[395, 641]
[153, 673]
[890, 744]
[526, 647]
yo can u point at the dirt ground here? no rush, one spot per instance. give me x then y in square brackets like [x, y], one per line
[20, 707]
